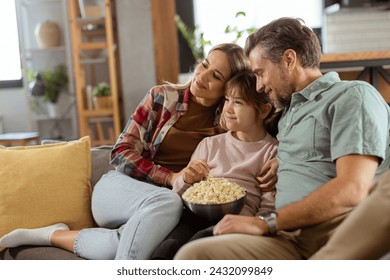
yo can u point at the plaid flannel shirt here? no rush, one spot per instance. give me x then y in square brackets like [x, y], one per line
[144, 132]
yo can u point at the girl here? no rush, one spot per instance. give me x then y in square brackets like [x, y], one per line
[237, 155]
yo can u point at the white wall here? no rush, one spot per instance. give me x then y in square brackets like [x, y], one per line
[15, 110]
[135, 35]
[212, 17]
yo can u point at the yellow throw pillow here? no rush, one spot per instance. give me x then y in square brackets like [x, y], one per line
[45, 184]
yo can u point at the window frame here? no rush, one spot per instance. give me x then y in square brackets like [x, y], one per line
[4, 84]
[11, 83]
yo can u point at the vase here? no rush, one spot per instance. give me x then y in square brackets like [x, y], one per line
[102, 102]
[53, 110]
[47, 34]
[37, 88]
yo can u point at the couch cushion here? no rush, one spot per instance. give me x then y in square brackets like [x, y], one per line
[45, 184]
[100, 157]
[100, 160]
[37, 253]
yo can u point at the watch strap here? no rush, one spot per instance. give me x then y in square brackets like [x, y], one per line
[270, 220]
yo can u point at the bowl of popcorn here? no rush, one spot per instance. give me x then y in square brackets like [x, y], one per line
[214, 198]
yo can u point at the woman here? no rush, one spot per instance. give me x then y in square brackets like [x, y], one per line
[131, 205]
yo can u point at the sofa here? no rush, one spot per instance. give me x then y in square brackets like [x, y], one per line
[99, 164]
[94, 162]
[85, 166]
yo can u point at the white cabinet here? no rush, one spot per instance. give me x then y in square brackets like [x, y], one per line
[31, 13]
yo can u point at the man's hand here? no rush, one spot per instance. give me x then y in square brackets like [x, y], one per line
[268, 174]
[240, 224]
[195, 171]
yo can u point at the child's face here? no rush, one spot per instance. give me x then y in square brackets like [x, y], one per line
[239, 115]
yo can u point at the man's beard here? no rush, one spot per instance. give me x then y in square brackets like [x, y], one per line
[283, 99]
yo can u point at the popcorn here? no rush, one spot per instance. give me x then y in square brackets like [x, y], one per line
[214, 191]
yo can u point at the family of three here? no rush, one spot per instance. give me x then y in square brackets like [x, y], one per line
[332, 143]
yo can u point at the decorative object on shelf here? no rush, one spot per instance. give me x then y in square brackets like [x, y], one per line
[91, 8]
[47, 34]
[36, 86]
[53, 110]
[54, 82]
[90, 102]
[102, 96]
[47, 85]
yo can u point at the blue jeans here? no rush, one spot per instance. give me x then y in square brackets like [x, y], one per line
[133, 217]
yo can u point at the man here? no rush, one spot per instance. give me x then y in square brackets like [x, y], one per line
[365, 235]
[333, 139]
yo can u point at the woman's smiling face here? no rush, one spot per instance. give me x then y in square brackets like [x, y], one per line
[211, 76]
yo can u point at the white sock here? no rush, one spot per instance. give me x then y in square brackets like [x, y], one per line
[37, 236]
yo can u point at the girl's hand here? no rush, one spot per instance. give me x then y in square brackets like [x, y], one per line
[195, 171]
[268, 174]
[172, 178]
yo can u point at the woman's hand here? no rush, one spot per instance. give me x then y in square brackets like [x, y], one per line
[240, 224]
[195, 171]
[268, 174]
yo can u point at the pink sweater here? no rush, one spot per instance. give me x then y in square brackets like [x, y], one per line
[239, 162]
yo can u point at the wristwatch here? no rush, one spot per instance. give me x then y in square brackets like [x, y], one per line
[270, 219]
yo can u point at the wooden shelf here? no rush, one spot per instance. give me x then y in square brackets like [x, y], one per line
[98, 113]
[92, 20]
[93, 122]
[93, 45]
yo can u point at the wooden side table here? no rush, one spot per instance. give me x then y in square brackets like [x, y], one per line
[19, 138]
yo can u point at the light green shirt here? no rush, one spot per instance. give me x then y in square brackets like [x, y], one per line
[327, 120]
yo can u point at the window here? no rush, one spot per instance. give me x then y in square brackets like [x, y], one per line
[258, 13]
[10, 67]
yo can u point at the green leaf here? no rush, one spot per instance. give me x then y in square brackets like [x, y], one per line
[102, 89]
[240, 13]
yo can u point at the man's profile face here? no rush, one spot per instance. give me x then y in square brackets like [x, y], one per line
[271, 78]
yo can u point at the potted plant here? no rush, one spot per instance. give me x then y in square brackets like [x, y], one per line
[102, 96]
[54, 81]
[238, 33]
[49, 84]
[193, 37]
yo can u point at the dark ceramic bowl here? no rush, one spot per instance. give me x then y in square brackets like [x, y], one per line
[215, 212]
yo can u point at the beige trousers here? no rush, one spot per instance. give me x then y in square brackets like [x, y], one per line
[297, 245]
[366, 233]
